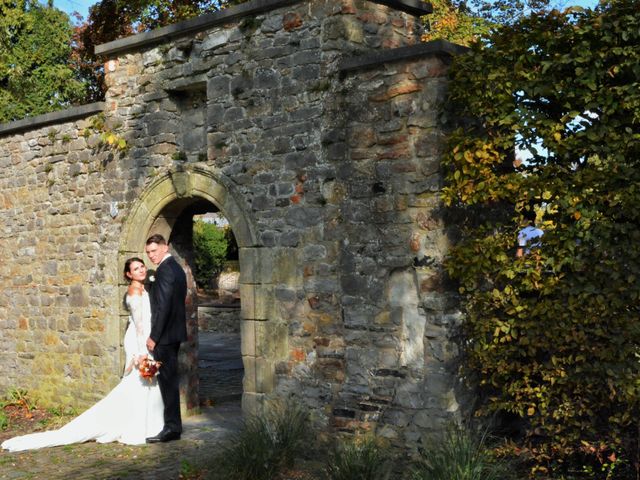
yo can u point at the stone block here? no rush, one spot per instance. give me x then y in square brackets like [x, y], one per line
[287, 267]
[427, 420]
[306, 57]
[249, 379]
[91, 347]
[234, 114]
[271, 339]
[248, 337]
[291, 21]
[215, 116]
[266, 78]
[306, 73]
[272, 24]
[265, 375]
[299, 160]
[285, 294]
[257, 301]
[241, 85]
[78, 296]
[268, 238]
[314, 252]
[290, 239]
[256, 265]
[216, 39]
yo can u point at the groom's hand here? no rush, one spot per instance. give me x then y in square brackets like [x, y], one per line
[150, 344]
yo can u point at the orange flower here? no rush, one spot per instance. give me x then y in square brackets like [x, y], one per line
[149, 368]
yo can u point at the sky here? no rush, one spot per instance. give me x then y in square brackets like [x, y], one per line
[582, 3]
[80, 6]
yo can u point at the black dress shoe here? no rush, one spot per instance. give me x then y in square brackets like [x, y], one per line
[164, 436]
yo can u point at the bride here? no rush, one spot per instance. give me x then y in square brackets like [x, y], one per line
[133, 410]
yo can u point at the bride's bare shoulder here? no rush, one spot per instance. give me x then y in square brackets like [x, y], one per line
[133, 291]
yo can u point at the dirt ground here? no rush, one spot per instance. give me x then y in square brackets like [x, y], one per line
[188, 459]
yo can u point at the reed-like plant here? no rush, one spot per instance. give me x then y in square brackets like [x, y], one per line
[265, 445]
[358, 458]
[462, 454]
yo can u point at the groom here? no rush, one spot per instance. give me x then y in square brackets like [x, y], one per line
[168, 329]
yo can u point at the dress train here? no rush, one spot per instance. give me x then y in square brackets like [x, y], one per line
[130, 413]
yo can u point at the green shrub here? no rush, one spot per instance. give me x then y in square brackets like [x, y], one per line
[210, 248]
[358, 458]
[460, 455]
[232, 245]
[265, 445]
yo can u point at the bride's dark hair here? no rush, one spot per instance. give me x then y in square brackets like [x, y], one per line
[127, 266]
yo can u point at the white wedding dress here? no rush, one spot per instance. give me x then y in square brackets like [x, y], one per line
[130, 413]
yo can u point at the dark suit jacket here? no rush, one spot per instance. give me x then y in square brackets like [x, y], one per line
[167, 296]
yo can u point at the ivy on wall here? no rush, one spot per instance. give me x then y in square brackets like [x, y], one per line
[553, 337]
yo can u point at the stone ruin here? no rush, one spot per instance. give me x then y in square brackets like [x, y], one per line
[313, 126]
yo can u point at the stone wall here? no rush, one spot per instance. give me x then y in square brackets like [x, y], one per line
[219, 318]
[313, 127]
[371, 339]
[59, 300]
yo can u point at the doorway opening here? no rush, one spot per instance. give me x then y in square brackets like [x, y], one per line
[205, 245]
[220, 368]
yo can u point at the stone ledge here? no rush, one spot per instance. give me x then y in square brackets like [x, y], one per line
[435, 47]
[412, 7]
[53, 117]
[254, 7]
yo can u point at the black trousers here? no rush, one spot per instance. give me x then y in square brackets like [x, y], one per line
[169, 382]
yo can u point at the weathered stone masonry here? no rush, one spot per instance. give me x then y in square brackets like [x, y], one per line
[313, 127]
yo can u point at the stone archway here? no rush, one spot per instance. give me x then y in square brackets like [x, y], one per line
[156, 211]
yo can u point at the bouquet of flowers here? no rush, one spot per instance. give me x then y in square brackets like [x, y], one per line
[149, 368]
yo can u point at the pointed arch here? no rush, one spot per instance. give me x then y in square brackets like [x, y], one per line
[175, 187]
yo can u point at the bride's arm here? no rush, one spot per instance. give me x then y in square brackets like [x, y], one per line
[137, 313]
[128, 368]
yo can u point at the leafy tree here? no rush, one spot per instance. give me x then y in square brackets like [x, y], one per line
[464, 22]
[505, 12]
[553, 338]
[454, 22]
[34, 48]
[210, 248]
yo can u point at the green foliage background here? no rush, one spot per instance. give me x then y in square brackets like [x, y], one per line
[35, 44]
[553, 338]
[210, 244]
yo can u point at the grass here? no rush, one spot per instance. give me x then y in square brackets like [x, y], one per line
[265, 446]
[188, 471]
[62, 411]
[461, 455]
[358, 458]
